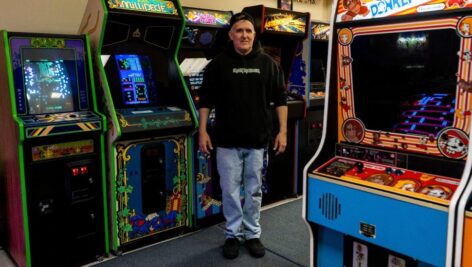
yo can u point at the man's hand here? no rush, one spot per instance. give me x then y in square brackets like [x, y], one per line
[204, 142]
[280, 143]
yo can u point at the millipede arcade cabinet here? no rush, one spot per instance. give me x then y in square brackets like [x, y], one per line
[150, 118]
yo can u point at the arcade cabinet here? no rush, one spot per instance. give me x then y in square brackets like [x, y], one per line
[383, 188]
[52, 151]
[150, 118]
[463, 230]
[311, 127]
[281, 33]
[205, 36]
[319, 60]
[467, 235]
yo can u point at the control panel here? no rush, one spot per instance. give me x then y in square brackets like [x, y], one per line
[431, 187]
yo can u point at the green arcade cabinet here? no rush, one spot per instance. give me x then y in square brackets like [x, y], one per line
[206, 35]
[150, 115]
[52, 148]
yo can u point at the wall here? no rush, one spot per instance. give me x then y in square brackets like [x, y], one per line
[320, 12]
[64, 16]
[46, 16]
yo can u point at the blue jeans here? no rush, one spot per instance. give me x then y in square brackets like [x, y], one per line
[236, 165]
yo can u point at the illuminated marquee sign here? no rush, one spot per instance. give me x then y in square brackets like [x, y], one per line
[151, 6]
[349, 10]
[320, 31]
[207, 17]
[60, 150]
[285, 22]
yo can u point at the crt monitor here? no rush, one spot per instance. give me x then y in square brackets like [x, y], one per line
[319, 61]
[137, 85]
[406, 82]
[50, 79]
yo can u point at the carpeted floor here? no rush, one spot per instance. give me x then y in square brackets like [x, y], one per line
[283, 233]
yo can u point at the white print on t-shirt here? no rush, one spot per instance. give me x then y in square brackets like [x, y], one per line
[246, 71]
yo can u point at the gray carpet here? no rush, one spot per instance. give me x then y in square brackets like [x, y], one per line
[284, 235]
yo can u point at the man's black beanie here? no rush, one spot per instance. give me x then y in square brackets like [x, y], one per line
[240, 16]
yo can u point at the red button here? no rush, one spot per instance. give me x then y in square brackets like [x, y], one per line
[83, 170]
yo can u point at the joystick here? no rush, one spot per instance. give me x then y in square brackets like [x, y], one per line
[398, 172]
[360, 167]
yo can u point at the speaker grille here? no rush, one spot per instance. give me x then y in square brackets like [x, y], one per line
[329, 206]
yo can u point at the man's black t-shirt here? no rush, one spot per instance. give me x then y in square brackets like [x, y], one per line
[241, 88]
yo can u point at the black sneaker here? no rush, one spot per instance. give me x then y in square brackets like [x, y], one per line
[231, 248]
[255, 247]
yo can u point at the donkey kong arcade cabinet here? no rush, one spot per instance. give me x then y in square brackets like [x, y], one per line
[383, 187]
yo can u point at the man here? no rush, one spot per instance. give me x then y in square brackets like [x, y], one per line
[240, 84]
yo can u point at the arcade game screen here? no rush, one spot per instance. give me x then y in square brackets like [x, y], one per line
[193, 69]
[201, 38]
[319, 62]
[50, 79]
[274, 52]
[137, 83]
[409, 79]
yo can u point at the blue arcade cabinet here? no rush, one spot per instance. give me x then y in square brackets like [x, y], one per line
[283, 35]
[205, 36]
[383, 187]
